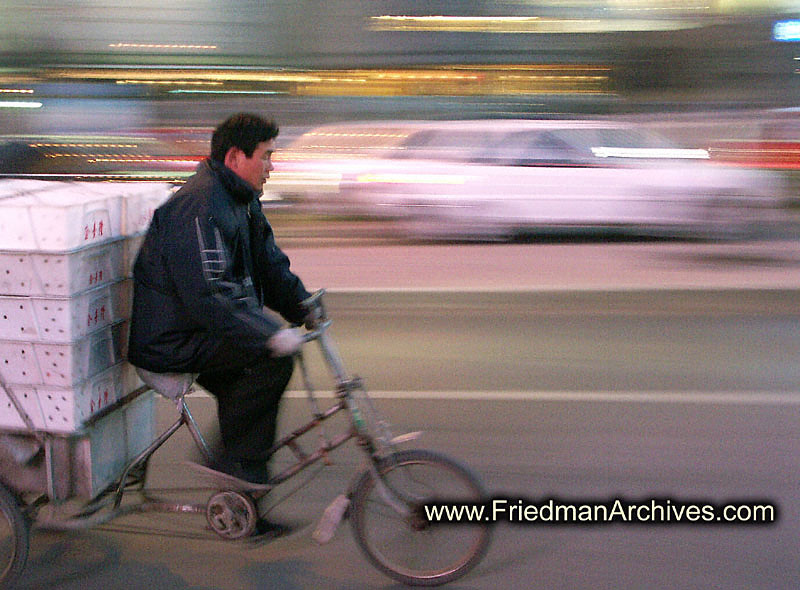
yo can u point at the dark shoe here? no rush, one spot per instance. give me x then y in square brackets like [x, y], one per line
[273, 529]
[267, 530]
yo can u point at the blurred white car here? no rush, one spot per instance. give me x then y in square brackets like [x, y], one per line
[495, 179]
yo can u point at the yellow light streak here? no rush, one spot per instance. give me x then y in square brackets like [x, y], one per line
[453, 80]
[159, 46]
[170, 82]
[90, 145]
[523, 24]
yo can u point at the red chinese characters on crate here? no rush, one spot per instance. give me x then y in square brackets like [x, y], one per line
[98, 318]
[94, 232]
[96, 277]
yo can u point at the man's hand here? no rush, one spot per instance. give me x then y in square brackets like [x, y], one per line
[285, 342]
[312, 318]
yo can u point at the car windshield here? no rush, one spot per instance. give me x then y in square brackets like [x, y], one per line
[445, 144]
[542, 145]
[575, 146]
[529, 146]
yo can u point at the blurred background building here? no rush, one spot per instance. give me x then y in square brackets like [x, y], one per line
[118, 89]
[86, 65]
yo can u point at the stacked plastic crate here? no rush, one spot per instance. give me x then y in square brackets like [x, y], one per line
[66, 254]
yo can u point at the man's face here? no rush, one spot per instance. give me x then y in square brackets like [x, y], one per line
[255, 169]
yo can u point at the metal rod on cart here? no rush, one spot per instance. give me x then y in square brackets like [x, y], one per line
[185, 418]
[188, 419]
[154, 446]
[100, 518]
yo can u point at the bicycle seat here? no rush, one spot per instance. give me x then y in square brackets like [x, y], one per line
[173, 386]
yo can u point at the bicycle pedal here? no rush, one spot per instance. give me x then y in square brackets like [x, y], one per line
[330, 520]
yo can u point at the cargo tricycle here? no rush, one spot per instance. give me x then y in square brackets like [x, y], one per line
[385, 503]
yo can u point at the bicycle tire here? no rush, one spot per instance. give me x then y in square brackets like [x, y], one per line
[416, 552]
[14, 538]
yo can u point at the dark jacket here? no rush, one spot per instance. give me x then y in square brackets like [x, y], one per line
[206, 269]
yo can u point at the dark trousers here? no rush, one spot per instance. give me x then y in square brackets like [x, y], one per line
[248, 392]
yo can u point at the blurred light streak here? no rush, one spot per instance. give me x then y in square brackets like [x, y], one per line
[93, 145]
[656, 6]
[319, 180]
[188, 91]
[15, 91]
[786, 30]
[656, 153]
[452, 80]
[524, 24]
[624, 5]
[158, 46]
[412, 178]
[144, 159]
[291, 155]
[20, 105]
[175, 176]
[360, 135]
[768, 154]
[169, 82]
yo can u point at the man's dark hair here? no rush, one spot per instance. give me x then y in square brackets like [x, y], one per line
[244, 131]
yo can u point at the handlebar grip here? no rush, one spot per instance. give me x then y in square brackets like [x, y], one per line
[313, 301]
[316, 332]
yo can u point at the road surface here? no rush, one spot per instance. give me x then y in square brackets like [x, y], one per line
[571, 371]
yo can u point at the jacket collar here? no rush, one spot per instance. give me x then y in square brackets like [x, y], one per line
[240, 191]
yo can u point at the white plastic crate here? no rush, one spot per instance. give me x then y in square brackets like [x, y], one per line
[61, 216]
[71, 216]
[29, 400]
[54, 319]
[132, 246]
[84, 463]
[101, 452]
[139, 201]
[65, 409]
[62, 273]
[14, 187]
[49, 363]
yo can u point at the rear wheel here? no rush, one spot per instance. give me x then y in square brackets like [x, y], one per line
[14, 538]
[411, 548]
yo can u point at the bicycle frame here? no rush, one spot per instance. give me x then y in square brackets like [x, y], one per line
[232, 512]
[346, 387]
[375, 445]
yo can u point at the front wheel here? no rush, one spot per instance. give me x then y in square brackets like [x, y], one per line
[411, 548]
[14, 538]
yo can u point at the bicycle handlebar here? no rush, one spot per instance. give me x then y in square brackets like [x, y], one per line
[315, 302]
[317, 332]
[321, 323]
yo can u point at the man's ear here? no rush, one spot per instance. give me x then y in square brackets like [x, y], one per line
[232, 157]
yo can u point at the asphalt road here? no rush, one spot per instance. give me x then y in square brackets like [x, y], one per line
[649, 340]
[635, 371]
[581, 449]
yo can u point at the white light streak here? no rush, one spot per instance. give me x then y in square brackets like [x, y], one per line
[20, 105]
[663, 153]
